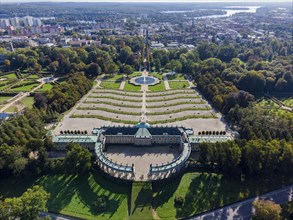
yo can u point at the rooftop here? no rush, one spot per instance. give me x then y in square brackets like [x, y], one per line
[75, 139]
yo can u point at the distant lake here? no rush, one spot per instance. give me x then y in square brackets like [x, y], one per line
[230, 10]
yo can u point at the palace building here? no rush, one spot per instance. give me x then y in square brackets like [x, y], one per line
[163, 140]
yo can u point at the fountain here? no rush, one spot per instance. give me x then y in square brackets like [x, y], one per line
[146, 80]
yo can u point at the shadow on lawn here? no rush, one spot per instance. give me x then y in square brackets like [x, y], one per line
[143, 200]
[209, 191]
[61, 188]
[164, 190]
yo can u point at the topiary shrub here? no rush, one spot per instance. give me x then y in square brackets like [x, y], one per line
[178, 201]
[100, 204]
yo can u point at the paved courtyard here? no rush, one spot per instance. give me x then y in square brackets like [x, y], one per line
[142, 157]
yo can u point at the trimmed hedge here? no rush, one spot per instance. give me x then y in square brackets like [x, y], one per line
[174, 98]
[113, 104]
[115, 98]
[178, 110]
[104, 118]
[109, 110]
[175, 104]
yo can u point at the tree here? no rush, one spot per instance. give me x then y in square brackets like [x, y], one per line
[93, 70]
[127, 69]
[37, 67]
[27, 206]
[112, 68]
[227, 53]
[7, 63]
[10, 208]
[34, 200]
[266, 209]
[157, 65]
[78, 159]
[40, 100]
[174, 65]
[125, 52]
[207, 50]
[252, 82]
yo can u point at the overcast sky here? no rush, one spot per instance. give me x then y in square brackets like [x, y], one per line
[238, 1]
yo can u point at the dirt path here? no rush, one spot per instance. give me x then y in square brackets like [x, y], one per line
[166, 83]
[122, 84]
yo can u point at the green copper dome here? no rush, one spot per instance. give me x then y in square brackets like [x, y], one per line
[142, 125]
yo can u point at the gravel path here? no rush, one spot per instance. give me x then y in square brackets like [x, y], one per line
[166, 83]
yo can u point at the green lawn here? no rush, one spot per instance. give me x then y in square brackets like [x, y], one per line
[131, 88]
[12, 109]
[158, 87]
[203, 192]
[25, 88]
[115, 77]
[141, 201]
[28, 102]
[9, 76]
[5, 83]
[74, 195]
[134, 74]
[4, 98]
[274, 109]
[33, 76]
[26, 81]
[110, 84]
[267, 103]
[155, 74]
[178, 84]
[45, 87]
[177, 76]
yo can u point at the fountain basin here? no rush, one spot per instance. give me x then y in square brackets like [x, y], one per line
[144, 80]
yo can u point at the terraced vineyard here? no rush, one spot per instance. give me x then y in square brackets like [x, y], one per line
[126, 107]
[114, 101]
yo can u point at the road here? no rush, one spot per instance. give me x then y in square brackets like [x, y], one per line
[242, 210]
[56, 216]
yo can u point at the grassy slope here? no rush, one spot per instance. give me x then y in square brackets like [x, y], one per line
[203, 192]
[28, 102]
[155, 74]
[26, 88]
[4, 98]
[73, 195]
[10, 76]
[45, 87]
[131, 88]
[178, 85]
[110, 84]
[158, 88]
[116, 77]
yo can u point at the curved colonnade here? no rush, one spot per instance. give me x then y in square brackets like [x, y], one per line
[156, 172]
